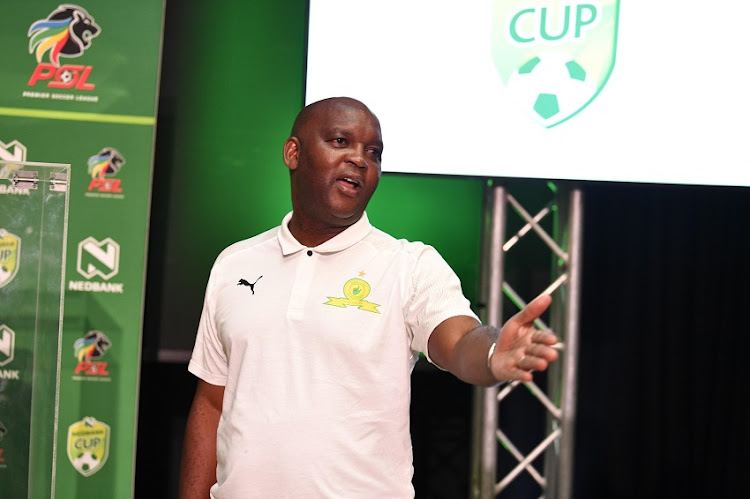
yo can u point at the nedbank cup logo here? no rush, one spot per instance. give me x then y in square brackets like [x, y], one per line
[88, 445]
[554, 57]
[66, 32]
[10, 253]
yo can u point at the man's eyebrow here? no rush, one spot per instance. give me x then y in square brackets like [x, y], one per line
[336, 130]
[347, 132]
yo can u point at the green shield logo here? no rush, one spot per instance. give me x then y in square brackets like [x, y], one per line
[10, 252]
[88, 445]
[554, 57]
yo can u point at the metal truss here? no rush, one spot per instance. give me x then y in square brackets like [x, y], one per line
[557, 399]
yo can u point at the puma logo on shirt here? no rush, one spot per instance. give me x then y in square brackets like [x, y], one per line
[243, 282]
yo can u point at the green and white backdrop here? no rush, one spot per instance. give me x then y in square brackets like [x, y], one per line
[79, 86]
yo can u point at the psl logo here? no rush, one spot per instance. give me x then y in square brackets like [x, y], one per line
[103, 165]
[88, 350]
[88, 445]
[100, 258]
[10, 253]
[7, 345]
[66, 32]
[554, 57]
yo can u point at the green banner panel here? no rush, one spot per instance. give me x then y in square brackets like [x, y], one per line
[79, 86]
[92, 61]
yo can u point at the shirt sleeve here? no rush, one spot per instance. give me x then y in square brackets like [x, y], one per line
[209, 360]
[436, 295]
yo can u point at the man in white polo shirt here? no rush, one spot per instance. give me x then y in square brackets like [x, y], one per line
[310, 331]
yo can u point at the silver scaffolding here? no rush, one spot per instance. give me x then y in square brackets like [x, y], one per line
[558, 399]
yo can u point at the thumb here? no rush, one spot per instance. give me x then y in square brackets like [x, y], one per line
[533, 310]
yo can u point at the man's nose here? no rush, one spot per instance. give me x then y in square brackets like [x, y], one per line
[357, 157]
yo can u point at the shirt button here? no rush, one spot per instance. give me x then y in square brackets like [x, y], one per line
[309, 252]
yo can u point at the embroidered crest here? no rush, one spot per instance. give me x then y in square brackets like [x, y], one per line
[355, 292]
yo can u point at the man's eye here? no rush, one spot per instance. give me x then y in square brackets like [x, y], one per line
[376, 152]
[340, 140]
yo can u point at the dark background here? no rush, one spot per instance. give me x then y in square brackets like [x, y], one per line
[662, 398]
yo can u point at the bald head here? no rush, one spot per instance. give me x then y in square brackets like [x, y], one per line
[320, 110]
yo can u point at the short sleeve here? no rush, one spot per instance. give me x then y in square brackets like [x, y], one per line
[436, 295]
[209, 360]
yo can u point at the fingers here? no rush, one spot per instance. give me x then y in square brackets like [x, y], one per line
[521, 375]
[519, 365]
[533, 363]
[543, 337]
[536, 357]
[541, 351]
[517, 370]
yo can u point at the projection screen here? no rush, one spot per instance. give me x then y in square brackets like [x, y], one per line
[635, 91]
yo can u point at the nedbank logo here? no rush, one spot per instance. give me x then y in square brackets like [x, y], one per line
[7, 345]
[11, 152]
[554, 57]
[66, 32]
[7, 348]
[98, 258]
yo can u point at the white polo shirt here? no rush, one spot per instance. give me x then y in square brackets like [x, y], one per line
[315, 347]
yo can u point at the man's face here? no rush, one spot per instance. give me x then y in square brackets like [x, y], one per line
[337, 165]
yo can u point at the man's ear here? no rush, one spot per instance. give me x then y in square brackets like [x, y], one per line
[291, 152]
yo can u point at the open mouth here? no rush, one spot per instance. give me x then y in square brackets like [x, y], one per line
[350, 183]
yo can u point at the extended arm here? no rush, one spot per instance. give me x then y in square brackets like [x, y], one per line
[198, 471]
[461, 345]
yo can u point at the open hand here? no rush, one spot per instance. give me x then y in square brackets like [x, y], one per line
[520, 347]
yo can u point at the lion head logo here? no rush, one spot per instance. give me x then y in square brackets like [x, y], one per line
[107, 162]
[66, 32]
[91, 346]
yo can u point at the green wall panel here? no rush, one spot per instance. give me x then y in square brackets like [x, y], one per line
[90, 108]
[219, 174]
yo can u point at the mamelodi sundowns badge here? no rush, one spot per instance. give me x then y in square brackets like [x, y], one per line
[10, 253]
[555, 56]
[88, 445]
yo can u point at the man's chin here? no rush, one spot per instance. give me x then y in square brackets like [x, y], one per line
[346, 218]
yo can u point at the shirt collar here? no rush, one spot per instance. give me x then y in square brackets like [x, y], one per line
[349, 237]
